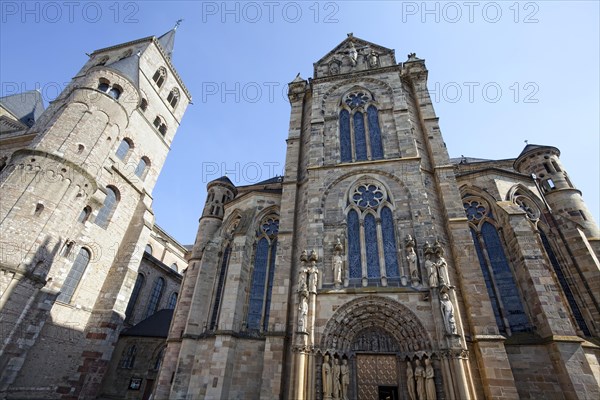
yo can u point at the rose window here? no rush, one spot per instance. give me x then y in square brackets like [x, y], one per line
[367, 196]
[474, 210]
[357, 99]
[270, 226]
[531, 210]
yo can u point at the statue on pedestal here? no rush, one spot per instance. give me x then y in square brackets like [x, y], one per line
[448, 314]
[430, 266]
[345, 378]
[410, 381]
[313, 273]
[411, 258]
[441, 264]
[327, 378]
[338, 263]
[429, 380]
[302, 314]
[420, 379]
[336, 379]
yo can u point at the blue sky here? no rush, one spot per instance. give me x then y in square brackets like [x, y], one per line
[500, 73]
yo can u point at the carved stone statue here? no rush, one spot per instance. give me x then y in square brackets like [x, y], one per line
[373, 59]
[302, 280]
[420, 379]
[338, 263]
[353, 53]
[429, 381]
[345, 378]
[336, 378]
[313, 273]
[411, 258]
[334, 68]
[302, 314]
[430, 266]
[410, 381]
[448, 314]
[441, 264]
[326, 376]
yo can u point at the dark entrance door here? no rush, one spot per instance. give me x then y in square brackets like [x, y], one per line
[388, 392]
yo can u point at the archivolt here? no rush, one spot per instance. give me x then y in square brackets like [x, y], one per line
[374, 313]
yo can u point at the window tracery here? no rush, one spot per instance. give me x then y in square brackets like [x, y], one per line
[360, 133]
[500, 282]
[372, 247]
[259, 301]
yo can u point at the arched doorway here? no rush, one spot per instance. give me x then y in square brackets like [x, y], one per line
[376, 336]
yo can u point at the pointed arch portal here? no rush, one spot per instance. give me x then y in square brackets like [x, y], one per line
[377, 335]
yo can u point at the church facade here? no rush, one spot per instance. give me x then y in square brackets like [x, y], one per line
[379, 268]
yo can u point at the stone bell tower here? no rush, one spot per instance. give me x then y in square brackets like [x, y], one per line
[76, 214]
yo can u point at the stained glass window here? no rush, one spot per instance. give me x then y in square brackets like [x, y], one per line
[360, 141]
[373, 236]
[128, 359]
[389, 243]
[371, 247]
[488, 283]
[257, 289]
[220, 286]
[74, 276]
[354, 261]
[374, 133]
[565, 286]
[504, 279]
[155, 296]
[345, 143]
[172, 301]
[270, 283]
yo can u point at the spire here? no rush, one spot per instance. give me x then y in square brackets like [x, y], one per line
[167, 41]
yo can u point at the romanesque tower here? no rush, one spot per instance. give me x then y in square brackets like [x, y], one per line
[76, 215]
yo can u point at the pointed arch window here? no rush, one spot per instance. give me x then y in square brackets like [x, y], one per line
[139, 282]
[74, 277]
[172, 301]
[160, 124]
[108, 208]
[360, 133]
[220, 286]
[500, 282]
[159, 76]
[173, 97]
[372, 247]
[155, 296]
[259, 301]
[128, 358]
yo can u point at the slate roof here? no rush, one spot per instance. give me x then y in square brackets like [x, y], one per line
[467, 160]
[129, 66]
[167, 42]
[531, 147]
[156, 325]
[26, 107]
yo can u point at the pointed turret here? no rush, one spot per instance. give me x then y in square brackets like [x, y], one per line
[167, 41]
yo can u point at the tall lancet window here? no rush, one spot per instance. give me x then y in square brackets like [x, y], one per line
[372, 247]
[360, 133]
[499, 279]
[262, 275]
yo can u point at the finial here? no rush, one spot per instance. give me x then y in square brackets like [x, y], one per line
[350, 34]
[179, 21]
[526, 141]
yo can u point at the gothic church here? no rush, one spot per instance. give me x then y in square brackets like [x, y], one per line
[376, 268]
[379, 268]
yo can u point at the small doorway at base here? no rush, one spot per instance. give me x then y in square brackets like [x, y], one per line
[388, 392]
